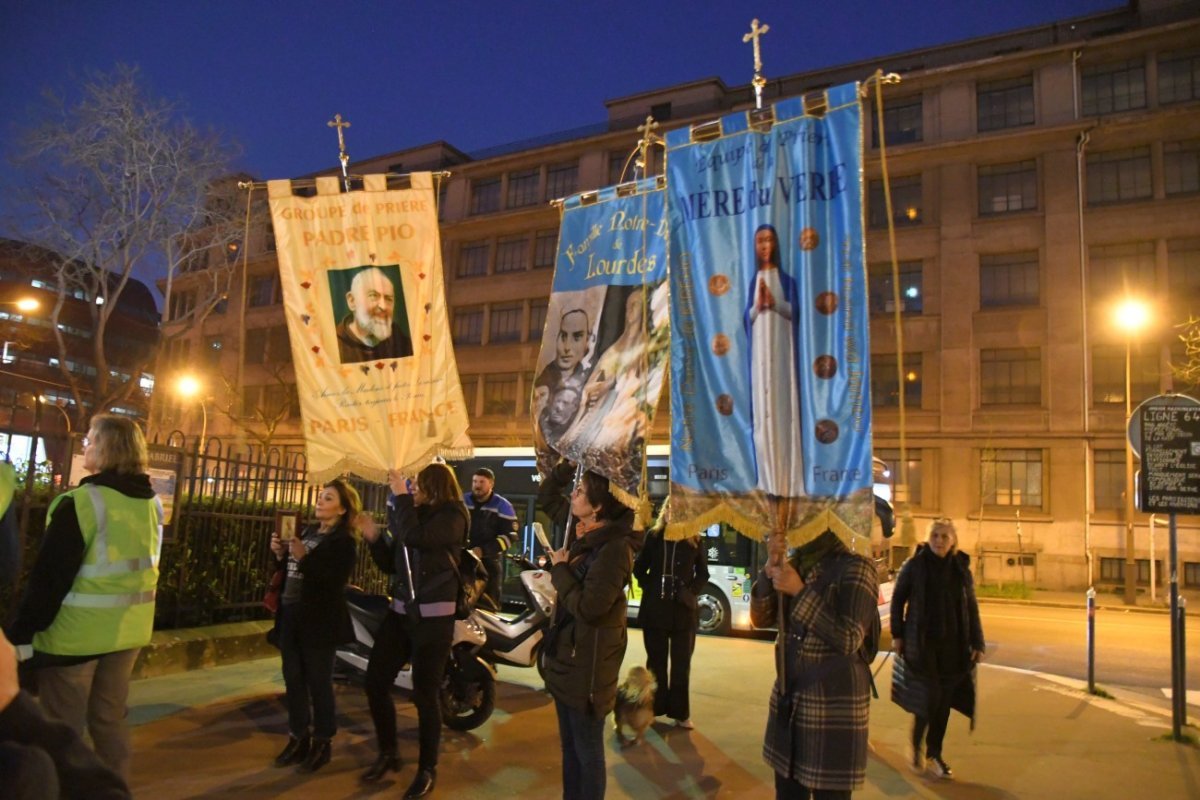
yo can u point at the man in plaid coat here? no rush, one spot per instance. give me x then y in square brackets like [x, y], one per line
[816, 737]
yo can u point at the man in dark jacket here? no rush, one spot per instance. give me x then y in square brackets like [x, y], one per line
[493, 527]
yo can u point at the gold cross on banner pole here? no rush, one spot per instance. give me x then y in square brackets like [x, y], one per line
[338, 123]
[647, 139]
[755, 34]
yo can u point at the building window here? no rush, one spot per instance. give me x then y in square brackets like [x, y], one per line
[1108, 88]
[473, 259]
[901, 494]
[562, 180]
[470, 390]
[1108, 372]
[505, 322]
[1008, 279]
[1004, 104]
[1012, 478]
[512, 255]
[885, 381]
[179, 352]
[212, 350]
[500, 394]
[1114, 269]
[1181, 167]
[263, 291]
[267, 345]
[269, 237]
[182, 304]
[1010, 376]
[1004, 188]
[902, 123]
[545, 249]
[1183, 277]
[882, 298]
[1178, 77]
[485, 196]
[616, 166]
[1119, 176]
[537, 319]
[468, 326]
[1108, 480]
[523, 188]
[1191, 574]
[906, 202]
[1112, 570]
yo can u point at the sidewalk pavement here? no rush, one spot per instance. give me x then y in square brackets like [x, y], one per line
[214, 731]
[1106, 600]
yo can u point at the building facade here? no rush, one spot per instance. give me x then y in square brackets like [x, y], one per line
[1036, 178]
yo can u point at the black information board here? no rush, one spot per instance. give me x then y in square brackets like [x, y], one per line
[1170, 451]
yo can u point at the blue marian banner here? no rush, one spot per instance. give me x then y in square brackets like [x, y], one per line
[604, 349]
[770, 415]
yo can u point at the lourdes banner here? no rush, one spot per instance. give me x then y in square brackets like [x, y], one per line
[770, 417]
[604, 350]
[362, 290]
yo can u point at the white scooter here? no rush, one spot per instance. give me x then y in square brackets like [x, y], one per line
[517, 641]
[468, 693]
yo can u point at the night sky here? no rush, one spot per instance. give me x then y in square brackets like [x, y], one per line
[475, 74]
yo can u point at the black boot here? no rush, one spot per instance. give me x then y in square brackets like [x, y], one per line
[318, 756]
[422, 785]
[385, 763]
[295, 752]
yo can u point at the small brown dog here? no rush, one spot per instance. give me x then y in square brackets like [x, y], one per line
[635, 705]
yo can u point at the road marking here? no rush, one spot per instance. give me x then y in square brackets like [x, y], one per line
[1141, 713]
[1191, 697]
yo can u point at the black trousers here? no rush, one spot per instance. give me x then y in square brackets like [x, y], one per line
[669, 658]
[495, 571]
[307, 678]
[792, 789]
[943, 663]
[426, 643]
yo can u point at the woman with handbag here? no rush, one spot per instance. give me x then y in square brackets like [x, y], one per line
[427, 529]
[313, 620]
[938, 640]
[587, 641]
[671, 576]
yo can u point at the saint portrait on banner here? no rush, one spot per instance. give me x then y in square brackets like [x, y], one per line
[771, 325]
[369, 330]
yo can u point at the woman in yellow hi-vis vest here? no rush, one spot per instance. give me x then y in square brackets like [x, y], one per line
[89, 607]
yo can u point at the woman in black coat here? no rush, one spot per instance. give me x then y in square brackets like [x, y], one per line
[936, 630]
[312, 620]
[671, 576]
[427, 530]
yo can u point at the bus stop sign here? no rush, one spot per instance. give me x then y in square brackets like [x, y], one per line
[1164, 431]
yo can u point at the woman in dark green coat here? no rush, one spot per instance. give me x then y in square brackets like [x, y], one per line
[587, 641]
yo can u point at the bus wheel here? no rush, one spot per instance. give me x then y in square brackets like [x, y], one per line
[715, 617]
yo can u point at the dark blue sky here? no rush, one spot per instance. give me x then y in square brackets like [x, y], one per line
[476, 74]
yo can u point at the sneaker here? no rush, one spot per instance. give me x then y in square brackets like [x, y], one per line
[684, 723]
[916, 760]
[940, 768]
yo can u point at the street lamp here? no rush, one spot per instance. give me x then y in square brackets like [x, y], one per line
[188, 386]
[58, 404]
[1131, 316]
[27, 304]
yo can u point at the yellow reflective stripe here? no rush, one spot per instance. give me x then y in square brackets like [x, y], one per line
[117, 567]
[83, 600]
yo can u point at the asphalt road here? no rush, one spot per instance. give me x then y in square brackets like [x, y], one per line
[1132, 648]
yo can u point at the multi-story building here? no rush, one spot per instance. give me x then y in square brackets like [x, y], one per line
[1036, 177]
[32, 363]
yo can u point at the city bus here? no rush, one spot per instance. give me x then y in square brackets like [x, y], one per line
[733, 560]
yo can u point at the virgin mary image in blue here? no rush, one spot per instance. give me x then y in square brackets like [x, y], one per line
[774, 392]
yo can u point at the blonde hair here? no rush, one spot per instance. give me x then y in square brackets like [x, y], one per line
[947, 524]
[118, 445]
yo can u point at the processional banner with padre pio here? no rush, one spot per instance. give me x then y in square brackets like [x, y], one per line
[363, 295]
[770, 410]
[603, 359]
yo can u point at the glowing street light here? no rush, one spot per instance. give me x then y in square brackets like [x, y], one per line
[187, 387]
[27, 304]
[1131, 316]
